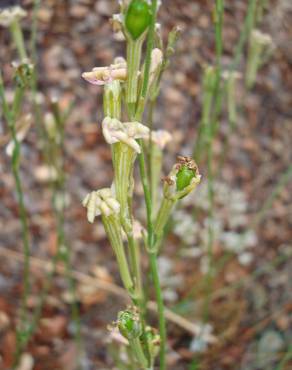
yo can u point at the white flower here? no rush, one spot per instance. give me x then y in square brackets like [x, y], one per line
[10, 14]
[103, 75]
[115, 131]
[100, 202]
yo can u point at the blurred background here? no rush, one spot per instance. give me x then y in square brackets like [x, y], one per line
[226, 264]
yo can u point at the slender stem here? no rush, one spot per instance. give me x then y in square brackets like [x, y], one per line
[162, 217]
[150, 151]
[138, 350]
[34, 28]
[113, 230]
[11, 116]
[147, 193]
[147, 196]
[162, 324]
[135, 262]
[150, 45]
[134, 51]
[248, 26]
[17, 36]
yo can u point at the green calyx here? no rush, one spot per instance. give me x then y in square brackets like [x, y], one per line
[129, 324]
[138, 18]
[184, 177]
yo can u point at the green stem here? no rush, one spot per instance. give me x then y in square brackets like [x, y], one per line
[147, 196]
[17, 36]
[113, 230]
[160, 304]
[134, 51]
[135, 263]
[147, 193]
[123, 162]
[11, 116]
[244, 35]
[137, 349]
[253, 63]
[162, 218]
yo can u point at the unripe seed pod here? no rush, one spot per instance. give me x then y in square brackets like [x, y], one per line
[129, 324]
[184, 177]
[138, 18]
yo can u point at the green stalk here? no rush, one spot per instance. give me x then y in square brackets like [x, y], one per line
[11, 116]
[112, 228]
[162, 218]
[147, 194]
[134, 51]
[253, 63]
[244, 35]
[17, 36]
[123, 158]
[137, 349]
[123, 161]
[160, 304]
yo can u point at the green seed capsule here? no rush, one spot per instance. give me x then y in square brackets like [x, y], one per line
[184, 177]
[138, 18]
[129, 324]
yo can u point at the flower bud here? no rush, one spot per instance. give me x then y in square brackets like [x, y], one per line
[100, 202]
[138, 18]
[129, 324]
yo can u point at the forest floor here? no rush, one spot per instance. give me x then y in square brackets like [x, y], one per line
[246, 309]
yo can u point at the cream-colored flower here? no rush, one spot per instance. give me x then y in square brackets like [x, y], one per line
[10, 14]
[100, 202]
[103, 75]
[115, 131]
[161, 138]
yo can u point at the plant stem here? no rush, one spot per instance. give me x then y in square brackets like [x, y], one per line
[11, 116]
[138, 350]
[113, 230]
[134, 50]
[162, 324]
[248, 26]
[17, 36]
[147, 193]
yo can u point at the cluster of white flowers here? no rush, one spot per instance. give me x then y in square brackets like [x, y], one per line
[10, 14]
[100, 202]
